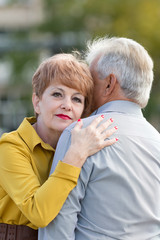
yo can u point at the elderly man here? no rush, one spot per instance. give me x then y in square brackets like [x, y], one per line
[118, 192]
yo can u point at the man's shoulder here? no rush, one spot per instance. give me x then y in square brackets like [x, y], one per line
[86, 122]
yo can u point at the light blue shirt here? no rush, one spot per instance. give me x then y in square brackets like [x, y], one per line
[118, 192]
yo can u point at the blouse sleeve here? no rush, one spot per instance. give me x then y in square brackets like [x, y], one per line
[39, 204]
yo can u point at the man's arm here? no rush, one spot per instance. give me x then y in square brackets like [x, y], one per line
[63, 226]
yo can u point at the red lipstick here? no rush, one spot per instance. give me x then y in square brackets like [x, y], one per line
[64, 117]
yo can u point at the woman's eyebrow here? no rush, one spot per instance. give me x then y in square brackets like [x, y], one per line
[78, 93]
[57, 88]
[60, 89]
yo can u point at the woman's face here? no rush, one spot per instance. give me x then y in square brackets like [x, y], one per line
[58, 107]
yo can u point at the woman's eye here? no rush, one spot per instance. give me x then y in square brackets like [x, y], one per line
[78, 100]
[57, 94]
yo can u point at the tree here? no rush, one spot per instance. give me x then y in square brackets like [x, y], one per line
[69, 24]
[136, 19]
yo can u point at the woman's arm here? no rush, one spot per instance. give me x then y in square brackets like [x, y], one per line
[41, 203]
[30, 200]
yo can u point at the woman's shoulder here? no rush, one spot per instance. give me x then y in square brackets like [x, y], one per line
[12, 146]
[9, 137]
[11, 141]
[17, 137]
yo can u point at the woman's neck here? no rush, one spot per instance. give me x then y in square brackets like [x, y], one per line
[48, 136]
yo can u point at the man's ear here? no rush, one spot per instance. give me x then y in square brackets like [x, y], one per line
[110, 84]
[35, 101]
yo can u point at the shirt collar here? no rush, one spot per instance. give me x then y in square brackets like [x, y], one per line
[29, 135]
[120, 106]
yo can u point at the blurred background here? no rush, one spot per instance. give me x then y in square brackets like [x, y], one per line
[32, 30]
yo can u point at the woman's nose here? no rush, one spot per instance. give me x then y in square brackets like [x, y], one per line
[67, 105]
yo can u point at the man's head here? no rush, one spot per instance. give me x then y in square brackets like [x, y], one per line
[122, 70]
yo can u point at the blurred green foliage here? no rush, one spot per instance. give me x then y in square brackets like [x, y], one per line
[136, 19]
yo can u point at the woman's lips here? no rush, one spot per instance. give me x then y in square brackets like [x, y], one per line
[62, 116]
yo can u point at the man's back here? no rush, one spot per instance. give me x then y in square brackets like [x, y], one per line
[118, 193]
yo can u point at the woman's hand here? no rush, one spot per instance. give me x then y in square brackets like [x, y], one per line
[87, 141]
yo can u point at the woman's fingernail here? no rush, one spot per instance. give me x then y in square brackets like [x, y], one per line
[102, 116]
[111, 119]
[79, 120]
[116, 139]
[116, 127]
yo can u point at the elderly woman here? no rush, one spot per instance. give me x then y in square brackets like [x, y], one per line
[62, 93]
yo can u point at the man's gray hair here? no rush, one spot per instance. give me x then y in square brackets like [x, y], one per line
[128, 61]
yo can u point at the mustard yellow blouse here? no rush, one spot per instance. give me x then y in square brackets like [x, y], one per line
[27, 197]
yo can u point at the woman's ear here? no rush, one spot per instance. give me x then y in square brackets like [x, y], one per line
[35, 101]
[110, 84]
